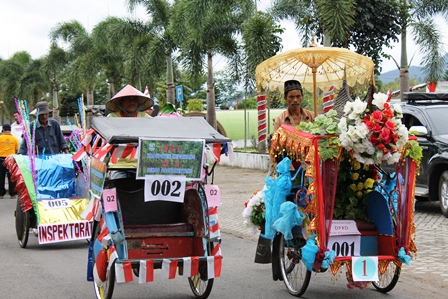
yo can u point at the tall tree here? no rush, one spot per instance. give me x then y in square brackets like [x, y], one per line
[365, 25]
[84, 64]
[418, 16]
[160, 13]
[206, 28]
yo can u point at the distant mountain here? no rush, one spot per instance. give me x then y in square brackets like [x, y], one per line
[414, 72]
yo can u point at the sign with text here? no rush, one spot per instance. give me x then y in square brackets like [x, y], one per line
[344, 227]
[165, 187]
[365, 268]
[110, 200]
[170, 157]
[213, 195]
[57, 203]
[343, 246]
[61, 232]
[97, 176]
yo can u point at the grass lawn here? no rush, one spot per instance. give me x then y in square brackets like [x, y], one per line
[233, 122]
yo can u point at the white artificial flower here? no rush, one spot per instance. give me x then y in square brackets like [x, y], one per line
[342, 125]
[359, 106]
[397, 109]
[379, 99]
[348, 107]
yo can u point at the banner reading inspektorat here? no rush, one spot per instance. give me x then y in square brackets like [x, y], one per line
[60, 232]
[171, 157]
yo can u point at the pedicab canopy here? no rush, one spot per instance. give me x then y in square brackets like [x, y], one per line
[129, 130]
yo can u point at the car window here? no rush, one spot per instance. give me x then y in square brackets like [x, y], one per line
[437, 117]
[411, 120]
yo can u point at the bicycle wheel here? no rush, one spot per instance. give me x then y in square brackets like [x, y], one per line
[23, 224]
[294, 272]
[387, 281]
[106, 289]
[200, 284]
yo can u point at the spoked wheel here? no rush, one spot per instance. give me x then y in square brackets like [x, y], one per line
[106, 288]
[23, 224]
[294, 272]
[200, 284]
[387, 281]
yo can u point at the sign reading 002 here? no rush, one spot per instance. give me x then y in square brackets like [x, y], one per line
[165, 187]
[170, 157]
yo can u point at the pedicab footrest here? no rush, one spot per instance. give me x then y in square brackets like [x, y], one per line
[159, 230]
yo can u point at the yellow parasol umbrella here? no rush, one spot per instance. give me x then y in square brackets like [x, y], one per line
[326, 66]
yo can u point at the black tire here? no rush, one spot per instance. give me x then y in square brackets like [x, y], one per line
[23, 224]
[199, 284]
[106, 290]
[443, 193]
[387, 281]
[294, 272]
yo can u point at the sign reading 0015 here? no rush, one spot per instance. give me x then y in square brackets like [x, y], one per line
[170, 157]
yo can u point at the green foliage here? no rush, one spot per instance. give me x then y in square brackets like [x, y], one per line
[325, 124]
[195, 105]
[250, 103]
[414, 151]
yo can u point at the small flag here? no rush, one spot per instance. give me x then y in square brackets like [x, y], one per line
[328, 99]
[389, 95]
[146, 273]
[169, 268]
[213, 222]
[214, 265]
[124, 272]
[101, 153]
[146, 92]
[191, 266]
[217, 151]
[113, 255]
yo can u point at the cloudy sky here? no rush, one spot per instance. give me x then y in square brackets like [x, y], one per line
[25, 25]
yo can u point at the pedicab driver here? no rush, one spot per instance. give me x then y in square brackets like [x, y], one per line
[49, 138]
[129, 102]
[294, 114]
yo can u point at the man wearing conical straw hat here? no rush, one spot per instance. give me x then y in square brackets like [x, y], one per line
[129, 102]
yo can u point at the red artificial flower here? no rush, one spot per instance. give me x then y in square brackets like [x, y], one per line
[385, 135]
[377, 115]
[390, 125]
[377, 128]
[246, 203]
[381, 147]
[370, 125]
[373, 139]
[386, 106]
[388, 112]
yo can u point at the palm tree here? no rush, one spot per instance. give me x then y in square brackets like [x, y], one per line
[206, 28]
[53, 65]
[418, 15]
[84, 64]
[163, 44]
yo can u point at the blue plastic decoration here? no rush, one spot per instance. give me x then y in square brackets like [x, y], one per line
[403, 257]
[309, 252]
[328, 259]
[277, 190]
[290, 217]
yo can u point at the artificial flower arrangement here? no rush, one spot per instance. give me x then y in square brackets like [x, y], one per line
[374, 134]
[254, 212]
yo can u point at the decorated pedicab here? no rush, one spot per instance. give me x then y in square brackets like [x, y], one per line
[152, 204]
[51, 191]
[341, 194]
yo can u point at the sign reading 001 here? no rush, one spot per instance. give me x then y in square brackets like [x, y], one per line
[170, 157]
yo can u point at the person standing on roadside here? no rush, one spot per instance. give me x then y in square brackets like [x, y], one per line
[49, 138]
[16, 128]
[294, 114]
[8, 146]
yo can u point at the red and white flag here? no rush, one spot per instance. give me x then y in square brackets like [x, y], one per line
[101, 153]
[214, 265]
[123, 272]
[191, 266]
[217, 249]
[100, 267]
[214, 224]
[389, 95]
[169, 268]
[146, 273]
[328, 99]
[122, 151]
[113, 255]
[146, 92]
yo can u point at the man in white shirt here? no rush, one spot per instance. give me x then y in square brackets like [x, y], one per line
[16, 128]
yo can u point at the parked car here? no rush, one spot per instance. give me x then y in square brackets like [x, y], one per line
[426, 115]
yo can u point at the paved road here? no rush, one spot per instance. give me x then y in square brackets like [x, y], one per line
[238, 184]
